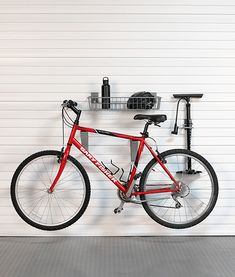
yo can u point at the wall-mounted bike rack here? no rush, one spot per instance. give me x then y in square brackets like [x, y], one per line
[133, 145]
[84, 139]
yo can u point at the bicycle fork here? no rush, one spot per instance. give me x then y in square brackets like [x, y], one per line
[62, 160]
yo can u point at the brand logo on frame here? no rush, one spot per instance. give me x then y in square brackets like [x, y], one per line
[100, 166]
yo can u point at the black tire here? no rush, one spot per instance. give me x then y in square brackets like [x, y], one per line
[213, 197]
[20, 171]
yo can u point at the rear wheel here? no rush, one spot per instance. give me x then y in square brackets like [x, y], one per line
[38, 207]
[198, 195]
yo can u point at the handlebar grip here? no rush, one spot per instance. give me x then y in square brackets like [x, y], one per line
[69, 103]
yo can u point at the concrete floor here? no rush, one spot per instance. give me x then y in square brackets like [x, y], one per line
[117, 256]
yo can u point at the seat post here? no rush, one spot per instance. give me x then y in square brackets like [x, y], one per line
[146, 126]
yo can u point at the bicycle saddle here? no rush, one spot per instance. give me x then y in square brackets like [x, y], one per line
[155, 118]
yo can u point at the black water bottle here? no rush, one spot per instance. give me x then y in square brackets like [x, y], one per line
[105, 93]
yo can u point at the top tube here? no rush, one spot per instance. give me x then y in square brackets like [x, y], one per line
[108, 133]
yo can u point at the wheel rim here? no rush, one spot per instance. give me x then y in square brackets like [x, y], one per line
[195, 198]
[42, 207]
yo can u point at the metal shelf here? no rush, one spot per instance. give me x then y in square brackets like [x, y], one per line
[122, 103]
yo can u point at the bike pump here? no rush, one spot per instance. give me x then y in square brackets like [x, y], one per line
[188, 125]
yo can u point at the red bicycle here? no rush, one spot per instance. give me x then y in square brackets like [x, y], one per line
[178, 188]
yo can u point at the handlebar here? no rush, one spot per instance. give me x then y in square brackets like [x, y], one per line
[72, 105]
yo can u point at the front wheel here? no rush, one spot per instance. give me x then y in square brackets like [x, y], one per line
[198, 194]
[30, 191]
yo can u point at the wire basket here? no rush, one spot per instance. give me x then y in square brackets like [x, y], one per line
[121, 103]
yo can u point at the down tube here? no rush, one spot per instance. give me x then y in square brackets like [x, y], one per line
[99, 165]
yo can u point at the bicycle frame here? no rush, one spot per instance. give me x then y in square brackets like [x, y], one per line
[125, 189]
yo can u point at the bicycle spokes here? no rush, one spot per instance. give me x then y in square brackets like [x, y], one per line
[45, 207]
[195, 197]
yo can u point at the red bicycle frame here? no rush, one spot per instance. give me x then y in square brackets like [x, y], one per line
[73, 141]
